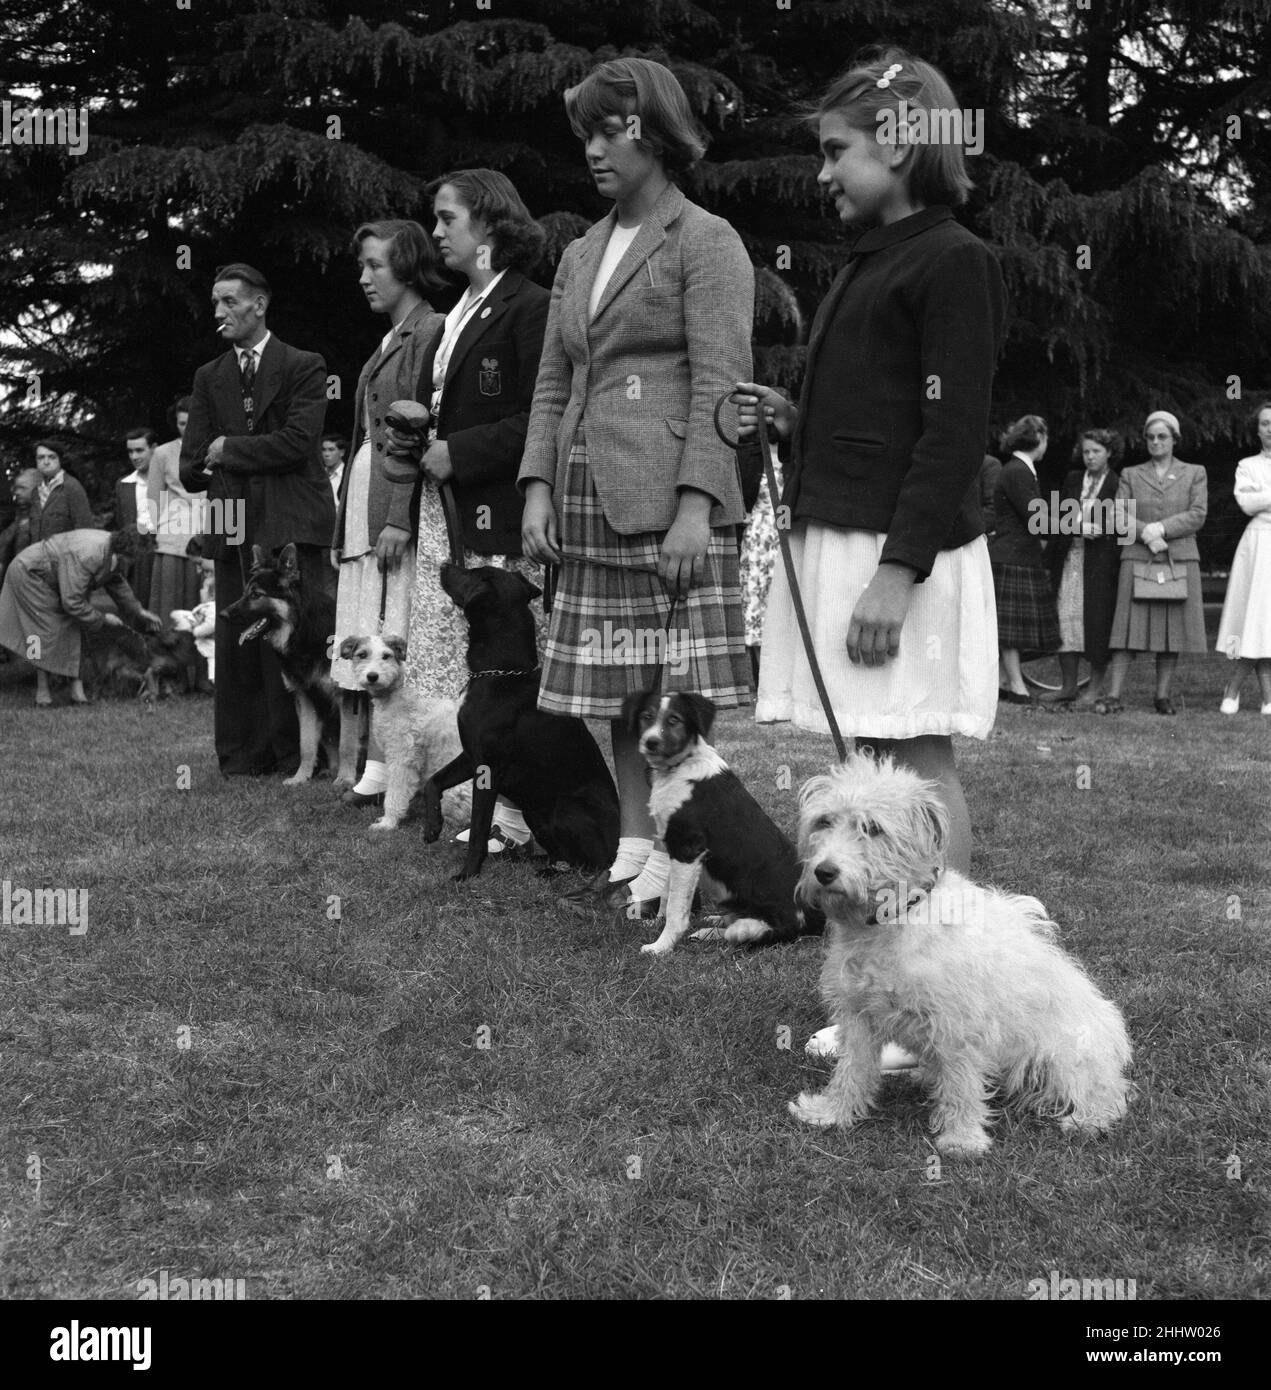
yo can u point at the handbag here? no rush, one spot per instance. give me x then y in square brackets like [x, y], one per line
[1155, 585]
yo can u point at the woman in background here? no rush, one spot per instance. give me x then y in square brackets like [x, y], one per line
[1244, 634]
[60, 504]
[1083, 565]
[1161, 504]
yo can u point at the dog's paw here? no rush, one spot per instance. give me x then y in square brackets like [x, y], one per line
[383, 824]
[823, 1043]
[656, 948]
[748, 931]
[812, 1110]
[970, 1143]
[297, 779]
[342, 782]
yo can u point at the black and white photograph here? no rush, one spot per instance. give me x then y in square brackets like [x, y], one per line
[635, 664]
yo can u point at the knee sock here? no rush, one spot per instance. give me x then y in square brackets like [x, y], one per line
[633, 851]
[654, 877]
[510, 820]
[374, 779]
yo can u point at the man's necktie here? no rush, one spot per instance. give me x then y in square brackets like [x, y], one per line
[247, 375]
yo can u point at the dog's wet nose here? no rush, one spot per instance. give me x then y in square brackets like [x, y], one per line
[371, 677]
[826, 873]
[651, 743]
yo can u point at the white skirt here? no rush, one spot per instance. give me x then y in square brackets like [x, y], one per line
[1245, 628]
[944, 679]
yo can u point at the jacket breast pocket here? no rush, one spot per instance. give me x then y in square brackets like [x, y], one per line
[656, 308]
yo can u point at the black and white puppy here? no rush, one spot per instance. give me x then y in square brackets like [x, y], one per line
[715, 831]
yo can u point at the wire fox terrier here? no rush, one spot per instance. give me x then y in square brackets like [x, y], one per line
[969, 979]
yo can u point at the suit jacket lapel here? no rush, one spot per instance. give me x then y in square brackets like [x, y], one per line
[229, 395]
[651, 235]
[268, 379]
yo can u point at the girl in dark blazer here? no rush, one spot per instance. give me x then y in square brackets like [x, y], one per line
[373, 549]
[478, 381]
[1083, 558]
[60, 503]
[886, 446]
[626, 483]
[1026, 616]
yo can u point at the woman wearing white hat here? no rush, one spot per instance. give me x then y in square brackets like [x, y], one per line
[1161, 504]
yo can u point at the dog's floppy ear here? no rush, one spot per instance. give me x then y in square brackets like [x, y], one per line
[532, 591]
[396, 645]
[631, 708]
[348, 647]
[703, 713]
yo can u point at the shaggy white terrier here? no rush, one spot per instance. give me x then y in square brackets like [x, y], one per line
[968, 979]
[418, 733]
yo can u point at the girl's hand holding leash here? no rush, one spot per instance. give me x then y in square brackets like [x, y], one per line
[540, 528]
[778, 411]
[391, 547]
[873, 636]
[684, 545]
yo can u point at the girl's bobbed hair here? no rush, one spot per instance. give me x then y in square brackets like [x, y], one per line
[412, 256]
[1109, 439]
[516, 239]
[639, 87]
[936, 169]
[1026, 433]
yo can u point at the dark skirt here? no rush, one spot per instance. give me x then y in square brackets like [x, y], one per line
[1027, 619]
[174, 583]
[609, 635]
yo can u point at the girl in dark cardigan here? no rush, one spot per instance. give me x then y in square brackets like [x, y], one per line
[1083, 562]
[886, 445]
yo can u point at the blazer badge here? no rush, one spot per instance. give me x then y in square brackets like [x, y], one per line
[490, 378]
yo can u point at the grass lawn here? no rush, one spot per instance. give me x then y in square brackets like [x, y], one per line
[290, 1053]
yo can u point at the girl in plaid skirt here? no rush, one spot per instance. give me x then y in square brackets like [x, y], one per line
[627, 487]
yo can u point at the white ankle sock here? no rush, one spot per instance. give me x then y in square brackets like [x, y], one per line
[510, 820]
[374, 779]
[653, 878]
[633, 851]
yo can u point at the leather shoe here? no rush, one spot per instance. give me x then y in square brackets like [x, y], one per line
[360, 799]
[589, 895]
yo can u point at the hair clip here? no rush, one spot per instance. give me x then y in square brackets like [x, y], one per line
[885, 79]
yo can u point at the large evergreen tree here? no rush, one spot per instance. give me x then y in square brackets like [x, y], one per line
[1123, 184]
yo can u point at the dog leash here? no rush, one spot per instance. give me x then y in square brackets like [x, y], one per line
[666, 641]
[783, 539]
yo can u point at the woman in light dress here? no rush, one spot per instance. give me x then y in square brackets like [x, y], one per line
[1244, 633]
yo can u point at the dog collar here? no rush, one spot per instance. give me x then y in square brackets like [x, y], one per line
[520, 671]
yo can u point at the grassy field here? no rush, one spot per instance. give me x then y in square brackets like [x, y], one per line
[289, 1053]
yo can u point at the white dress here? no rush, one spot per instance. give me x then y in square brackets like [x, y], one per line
[1245, 628]
[944, 680]
[361, 585]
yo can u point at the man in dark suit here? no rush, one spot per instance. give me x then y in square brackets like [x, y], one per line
[132, 511]
[253, 445]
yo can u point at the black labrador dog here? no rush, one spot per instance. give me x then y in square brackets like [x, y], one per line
[547, 764]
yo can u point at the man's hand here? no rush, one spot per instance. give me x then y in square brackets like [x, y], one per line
[112, 620]
[873, 636]
[391, 547]
[215, 453]
[149, 622]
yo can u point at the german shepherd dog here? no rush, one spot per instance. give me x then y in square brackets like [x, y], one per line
[299, 624]
[547, 764]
